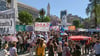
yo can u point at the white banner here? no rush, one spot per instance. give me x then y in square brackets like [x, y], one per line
[7, 26]
[7, 21]
[42, 26]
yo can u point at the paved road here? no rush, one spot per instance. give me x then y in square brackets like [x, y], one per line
[28, 54]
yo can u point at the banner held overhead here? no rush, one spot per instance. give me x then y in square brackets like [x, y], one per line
[42, 26]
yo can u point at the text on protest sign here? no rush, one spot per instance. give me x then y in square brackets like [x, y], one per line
[42, 26]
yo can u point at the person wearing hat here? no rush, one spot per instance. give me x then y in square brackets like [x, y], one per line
[41, 48]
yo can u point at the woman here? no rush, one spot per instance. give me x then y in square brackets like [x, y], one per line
[51, 49]
[41, 48]
[5, 52]
[13, 50]
[66, 51]
[37, 45]
[59, 48]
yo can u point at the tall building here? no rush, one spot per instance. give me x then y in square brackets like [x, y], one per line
[63, 16]
[63, 13]
[48, 10]
[71, 18]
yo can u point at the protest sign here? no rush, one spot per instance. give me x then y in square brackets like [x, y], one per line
[42, 26]
[7, 26]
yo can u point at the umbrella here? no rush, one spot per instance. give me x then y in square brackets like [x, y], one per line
[79, 38]
[10, 38]
[63, 34]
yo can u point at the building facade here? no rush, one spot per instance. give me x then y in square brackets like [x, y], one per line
[71, 18]
[21, 7]
[2, 5]
[63, 13]
[48, 10]
[31, 10]
[63, 16]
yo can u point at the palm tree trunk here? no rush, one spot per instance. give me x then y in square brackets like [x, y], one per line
[95, 13]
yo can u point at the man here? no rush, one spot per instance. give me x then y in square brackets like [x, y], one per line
[13, 50]
[97, 48]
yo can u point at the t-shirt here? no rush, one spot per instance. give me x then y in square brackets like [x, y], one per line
[41, 50]
[13, 50]
[29, 41]
[97, 48]
[20, 40]
[4, 52]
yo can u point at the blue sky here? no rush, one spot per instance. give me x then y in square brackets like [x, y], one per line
[76, 7]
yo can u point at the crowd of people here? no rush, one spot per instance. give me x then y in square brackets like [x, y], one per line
[53, 42]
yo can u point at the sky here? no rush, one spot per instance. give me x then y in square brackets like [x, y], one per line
[75, 7]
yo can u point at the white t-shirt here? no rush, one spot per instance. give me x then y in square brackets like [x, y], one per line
[13, 50]
[29, 41]
[20, 40]
[4, 52]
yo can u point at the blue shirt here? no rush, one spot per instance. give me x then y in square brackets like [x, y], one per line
[97, 48]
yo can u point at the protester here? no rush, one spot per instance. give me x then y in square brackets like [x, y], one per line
[4, 51]
[51, 49]
[37, 45]
[41, 48]
[97, 48]
[13, 50]
[66, 50]
[59, 48]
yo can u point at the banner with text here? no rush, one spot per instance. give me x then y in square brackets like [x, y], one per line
[42, 26]
[7, 26]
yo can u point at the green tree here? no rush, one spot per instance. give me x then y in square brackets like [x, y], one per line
[25, 17]
[94, 8]
[38, 20]
[42, 13]
[42, 17]
[76, 23]
[81, 26]
[46, 19]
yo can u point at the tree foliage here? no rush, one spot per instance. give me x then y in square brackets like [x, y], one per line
[25, 17]
[42, 12]
[76, 23]
[42, 17]
[46, 19]
[94, 7]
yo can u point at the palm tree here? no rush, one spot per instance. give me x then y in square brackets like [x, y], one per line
[42, 13]
[92, 9]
